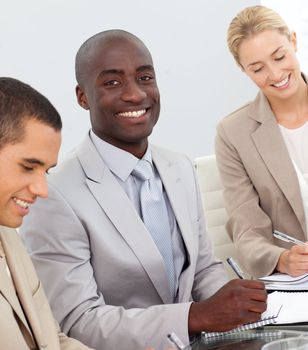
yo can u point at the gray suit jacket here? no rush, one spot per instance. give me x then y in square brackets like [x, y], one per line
[261, 186]
[26, 321]
[103, 274]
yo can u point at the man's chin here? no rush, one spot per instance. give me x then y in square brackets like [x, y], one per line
[11, 223]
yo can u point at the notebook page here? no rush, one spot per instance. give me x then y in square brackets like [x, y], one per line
[294, 306]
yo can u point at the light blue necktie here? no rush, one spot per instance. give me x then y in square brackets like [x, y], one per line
[155, 215]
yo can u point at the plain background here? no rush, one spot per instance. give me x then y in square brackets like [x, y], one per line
[198, 79]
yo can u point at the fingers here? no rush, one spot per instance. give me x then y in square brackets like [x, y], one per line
[297, 261]
[256, 289]
[256, 306]
[248, 297]
[300, 249]
[294, 261]
[253, 284]
[257, 295]
[296, 270]
[250, 316]
[237, 302]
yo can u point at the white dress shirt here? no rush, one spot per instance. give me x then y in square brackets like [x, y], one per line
[296, 141]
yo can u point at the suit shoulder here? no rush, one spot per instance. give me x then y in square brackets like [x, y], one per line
[237, 122]
[237, 115]
[68, 168]
[168, 154]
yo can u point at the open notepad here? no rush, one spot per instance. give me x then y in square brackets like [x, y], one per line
[282, 281]
[282, 308]
[294, 306]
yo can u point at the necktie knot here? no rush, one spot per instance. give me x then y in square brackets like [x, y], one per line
[143, 170]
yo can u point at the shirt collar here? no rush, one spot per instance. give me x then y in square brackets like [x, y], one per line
[120, 162]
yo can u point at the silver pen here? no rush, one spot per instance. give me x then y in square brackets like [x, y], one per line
[235, 268]
[175, 340]
[286, 238]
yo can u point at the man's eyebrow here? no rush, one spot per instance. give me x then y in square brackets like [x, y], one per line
[120, 71]
[33, 161]
[273, 53]
[111, 71]
[145, 67]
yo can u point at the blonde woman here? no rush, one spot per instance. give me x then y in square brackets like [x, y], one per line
[262, 148]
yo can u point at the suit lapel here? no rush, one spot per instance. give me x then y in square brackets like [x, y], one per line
[104, 187]
[22, 287]
[171, 177]
[271, 147]
[8, 291]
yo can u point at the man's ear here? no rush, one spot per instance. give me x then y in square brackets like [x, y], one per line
[81, 98]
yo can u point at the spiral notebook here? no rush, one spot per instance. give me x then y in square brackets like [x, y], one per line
[268, 317]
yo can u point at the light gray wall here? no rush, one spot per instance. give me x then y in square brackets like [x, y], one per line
[198, 80]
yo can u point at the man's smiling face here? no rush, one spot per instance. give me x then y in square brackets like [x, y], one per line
[121, 92]
[23, 167]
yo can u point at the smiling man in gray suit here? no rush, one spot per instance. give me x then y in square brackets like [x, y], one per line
[109, 280]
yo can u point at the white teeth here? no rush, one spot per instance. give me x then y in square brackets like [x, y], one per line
[282, 82]
[21, 203]
[134, 114]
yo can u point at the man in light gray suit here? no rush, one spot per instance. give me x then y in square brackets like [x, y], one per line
[103, 273]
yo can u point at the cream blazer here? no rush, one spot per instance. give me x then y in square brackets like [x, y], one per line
[261, 186]
[26, 321]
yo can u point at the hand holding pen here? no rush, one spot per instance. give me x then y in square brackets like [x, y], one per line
[293, 261]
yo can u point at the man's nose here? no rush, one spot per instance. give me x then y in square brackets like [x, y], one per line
[39, 186]
[133, 93]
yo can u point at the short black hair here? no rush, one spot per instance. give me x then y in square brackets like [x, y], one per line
[19, 102]
[85, 52]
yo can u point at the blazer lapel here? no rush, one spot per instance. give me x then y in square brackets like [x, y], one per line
[104, 187]
[8, 291]
[22, 288]
[271, 147]
[171, 178]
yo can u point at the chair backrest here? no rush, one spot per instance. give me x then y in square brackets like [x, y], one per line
[214, 209]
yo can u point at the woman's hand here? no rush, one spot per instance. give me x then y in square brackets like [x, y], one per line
[294, 262]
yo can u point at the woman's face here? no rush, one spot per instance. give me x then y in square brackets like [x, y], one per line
[269, 59]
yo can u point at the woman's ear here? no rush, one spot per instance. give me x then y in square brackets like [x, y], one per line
[294, 40]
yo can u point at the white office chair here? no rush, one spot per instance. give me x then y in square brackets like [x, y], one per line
[214, 209]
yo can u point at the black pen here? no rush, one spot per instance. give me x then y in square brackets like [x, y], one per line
[235, 268]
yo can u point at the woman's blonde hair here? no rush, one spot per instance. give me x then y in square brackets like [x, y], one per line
[251, 20]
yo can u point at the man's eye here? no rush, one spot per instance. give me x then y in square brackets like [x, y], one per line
[146, 78]
[26, 168]
[111, 83]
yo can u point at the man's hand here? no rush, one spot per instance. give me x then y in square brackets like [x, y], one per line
[294, 262]
[237, 302]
